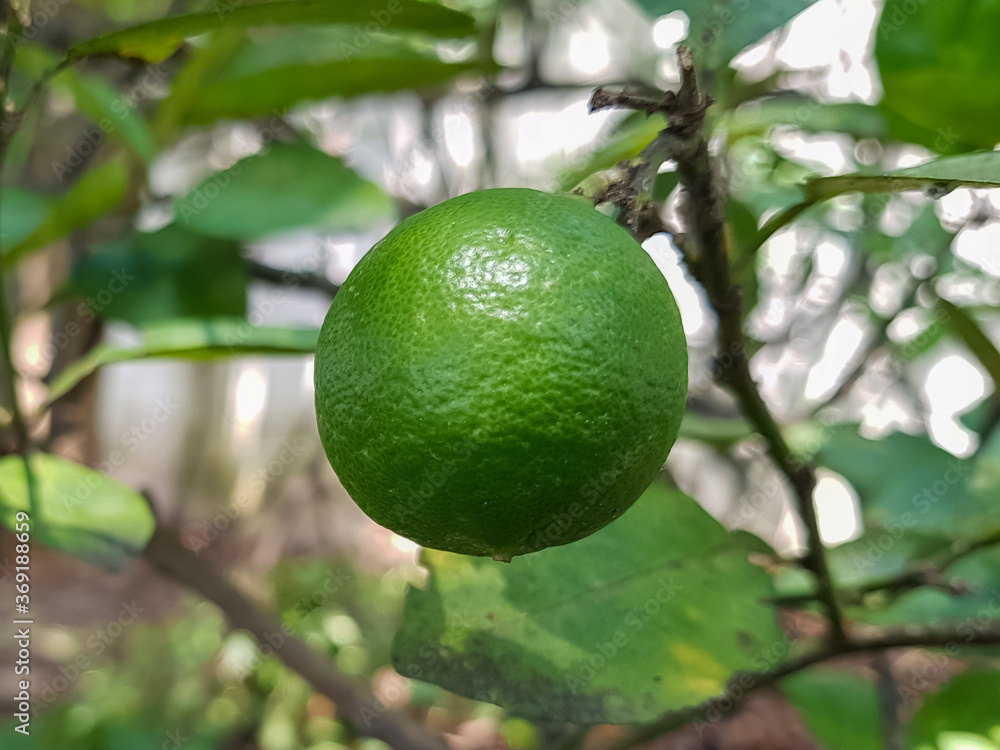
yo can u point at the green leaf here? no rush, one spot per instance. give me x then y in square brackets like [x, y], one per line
[962, 325]
[720, 29]
[882, 553]
[840, 709]
[981, 170]
[628, 139]
[288, 186]
[112, 112]
[719, 432]
[80, 511]
[967, 703]
[171, 273]
[21, 213]
[905, 480]
[96, 193]
[937, 62]
[157, 40]
[190, 339]
[806, 114]
[617, 627]
[272, 91]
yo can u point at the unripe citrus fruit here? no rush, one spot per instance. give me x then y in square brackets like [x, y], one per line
[503, 372]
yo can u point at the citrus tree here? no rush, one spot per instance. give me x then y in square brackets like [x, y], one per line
[519, 411]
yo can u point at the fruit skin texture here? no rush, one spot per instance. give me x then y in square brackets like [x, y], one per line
[503, 372]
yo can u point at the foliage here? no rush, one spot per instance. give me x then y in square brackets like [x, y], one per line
[662, 611]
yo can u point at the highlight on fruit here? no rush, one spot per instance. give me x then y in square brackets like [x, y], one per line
[503, 372]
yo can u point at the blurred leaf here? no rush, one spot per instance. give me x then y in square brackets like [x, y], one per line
[625, 142]
[979, 417]
[135, 11]
[937, 62]
[883, 552]
[925, 235]
[157, 40]
[907, 480]
[112, 112]
[171, 273]
[967, 703]
[742, 226]
[826, 699]
[96, 193]
[80, 512]
[617, 627]
[715, 431]
[190, 339]
[721, 28]
[272, 91]
[981, 170]
[21, 213]
[760, 116]
[962, 325]
[984, 483]
[979, 572]
[288, 186]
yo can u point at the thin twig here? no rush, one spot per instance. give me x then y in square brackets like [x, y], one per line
[366, 717]
[291, 278]
[707, 254]
[20, 425]
[742, 685]
[931, 574]
[893, 736]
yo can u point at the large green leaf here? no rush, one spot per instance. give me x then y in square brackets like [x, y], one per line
[905, 480]
[288, 186]
[967, 703]
[96, 193]
[190, 339]
[157, 40]
[938, 66]
[981, 170]
[273, 91]
[654, 612]
[840, 709]
[170, 273]
[721, 28]
[79, 511]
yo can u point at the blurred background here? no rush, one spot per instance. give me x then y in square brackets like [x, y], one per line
[242, 177]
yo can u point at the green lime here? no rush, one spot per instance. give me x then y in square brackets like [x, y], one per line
[503, 372]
